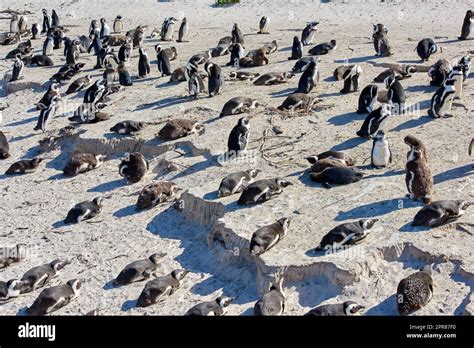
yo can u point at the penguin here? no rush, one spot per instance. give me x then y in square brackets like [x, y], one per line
[467, 25]
[79, 84]
[125, 52]
[440, 212]
[138, 37]
[236, 54]
[17, 68]
[273, 78]
[172, 52]
[157, 193]
[46, 22]
[426, 48]
[45, 101]
[12, 255]
[54, 298]
[169, 29]
[183, 31]
[271, 47]
[14, 26]
[178, 75]
[347, 308]
[82, 163]
[367, 99]
[442, 100]
[456, 74]
[471, 146]
[143, 64]
[95, 44]
[128, 127]
[340, 156]
[237, 36]
[180, 128]
[273, 302]
[46, 114]
[94, 28]
[465, 63]
[243, 75]
[133, 166]
[263, 25]
[298, 101]
[218, 307]
[415, 291]
[395, 93]
[23, 24]
[10, 289]
[268, 236]
[320, 165]
[439, 72]
[84, 211]
[24, 166]
[104, 29]
[48, 45]
[160, 288]
[195, 81]
[72, 53]
[39, 276]
[124, 76]
[4, 146]
[346, 234]
[375, 121]
[238, 105]
[351, 79]
[94, 92]
[139, 270]
[296, 49]
[381, 42]
[58, 36]
[216, 79]
[400, 74]
[309, 78]
[54, 19]
[262, 190]
[236, 182]
[200, 58]
[308, 33]
[239, 137]
[381, 155]
[323, 48]
[418, 179]
[35, 31]
[118, 24]
[337, 175]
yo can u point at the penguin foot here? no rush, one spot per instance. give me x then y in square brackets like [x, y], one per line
[326, 185]
[448, 115]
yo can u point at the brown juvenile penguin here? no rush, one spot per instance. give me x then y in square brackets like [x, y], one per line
[157, 193]
[418, 179]
[180, 128]
[83, 162]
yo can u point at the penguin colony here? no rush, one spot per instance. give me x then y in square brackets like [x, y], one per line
[113, 51]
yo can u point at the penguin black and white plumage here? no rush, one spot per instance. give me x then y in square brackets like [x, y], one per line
[157, 193]
[160, 288]
[48, 45]
[10, 289]
[24, 166]
[104, 29]
[200, 58]
[271, 303]
[298, 101]
[94, 27]
[399, 74]
[180, 128]
[128, 127]
[347, 234]
[323, 48]
[54, 298]
[467, 25]
[440, 212]
[418, 179]
[296, 49]
[415, 291]
[94, 92]
[217, 308]
[118, 24]
[139, 270]
[465, 63]
[426, 48]
[375, 121]
[351, 79]
[183, 31]
[47, 114]
[381, 42]
[10, 255]
[168, 30]
[4, 146]
[439, 72]
[236, 53]
[263, 25]
[442, 100]
[46, 22]
[195, 81]
[83, 162]
[236, 182]
[124, 52]
[45, 101]
[39, 276]
[262, 190]
[301, 64]
[347, 308]
[35, 31]
[273, 78]
[239, 137]
[133, 166]
[79, 84]
[236, 34]
[124, 76]
[95, 44]
[143, 63]
[243, 75]
[320, 165]
[84, 211]
[337, 175]
[55, 19]
[309, 78]
[381, 156]
[23, 24]
[308, 33]
[216, 79]
[17, 68]
[341, 156]
[41, 60]
[14, 26]
[367, 99]
[268, 236]
[395, 93]
[238, 105]
[456, 74]
[67, 72]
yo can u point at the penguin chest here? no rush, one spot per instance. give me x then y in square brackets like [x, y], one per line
[380, 154]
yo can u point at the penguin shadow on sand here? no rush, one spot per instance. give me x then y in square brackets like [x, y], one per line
[355, 59]
[386, 307]
[166, 83]
[144, 79]
[349, 144]
[166, 102]
[24, 121]
[346, 118]
[455, 173]
[387, 172]
[421, 89]
[109, 186]
[470, 283]
[208, 162]
[283, 93]
[22, 312]
[412, 123]
[23, 137]
[414, 229]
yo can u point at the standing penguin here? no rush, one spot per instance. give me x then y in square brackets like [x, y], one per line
[439, 72]
[14, 26]
[124, 76]
[440, 212]
[143, 64]
[94, 93]
[236, 53]
[139, 270]
[46, 22]
[84, 211]
[4, 147]
[55, 19]
[239, 137]
[168, 30]
[381, 155]
[367, 99]
[374, 121]
[160, 288]
[54, 298]
[418, 179]
[17, 68]
[39, 276]
[415, 291]
[268, 236]
[426, 48]
[133, 166]
[351, 79]
[47, 113]
[218, 307]
[442, 100]
[308, 33]
[72, 51]
[395, 94]
[381, 43]
[465, 63]
[309, 78]
[296, 49]
[118, 24]
[347, 308]
[264, 24]
[195, 82]
[124, 52]
[457, 75]
[216, 78]
[163, 61]
[96, 45]
[273, 302]
[35, 31]
[236, 34]
[104, 29]
[467, 25]
[48, 45]
[183, 31]
[23, 24]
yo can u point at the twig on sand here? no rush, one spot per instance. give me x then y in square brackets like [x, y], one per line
[87, 269]
[116, 257]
